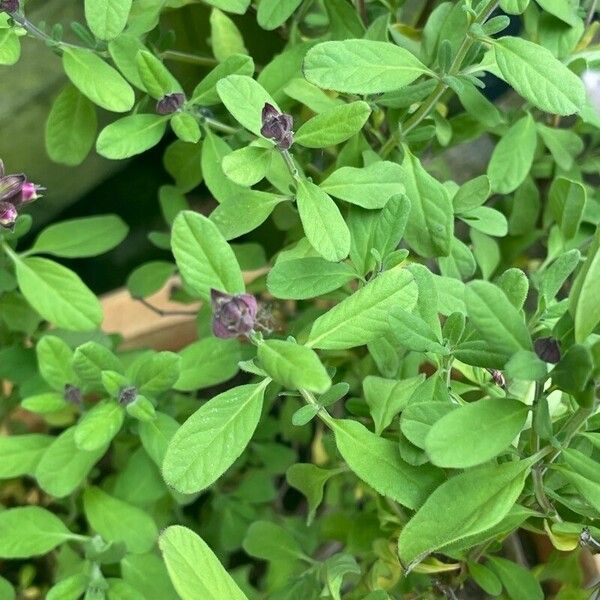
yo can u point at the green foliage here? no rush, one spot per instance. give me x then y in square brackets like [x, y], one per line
[383, 372]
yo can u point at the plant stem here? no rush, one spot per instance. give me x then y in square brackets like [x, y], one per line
[430, 102]
[192, 59]
[218, 126]
[289, 163]
[361, 9]
[167, 313]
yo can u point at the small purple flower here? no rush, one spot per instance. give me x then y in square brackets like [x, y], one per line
[9, 6]
[170, 103]
[233, 315]
[548, 349]
[72, 394]
[15, 191]
[498, 377]
[127, 395]
[277, 126]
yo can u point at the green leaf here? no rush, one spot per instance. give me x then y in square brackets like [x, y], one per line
[97, 80]
[333, 126]
[124, 50]
[554, 277]
[310, 480]
[363, 317]
[204, 258]
[414, 333]
[273, 13]
[63, 466]
[567, 202]
[10, 47]
[574, 369]
[564, 144]
[268, 541]
[247, 166]
[518, 582]
[149, 278]
[561, 9]
[45, 403]
[361, 66]
[225, 38]
[302, 278]
[244, 98]
[71, 127]
[183, 162]
[156, 373]
[208, 362]
[370, 187]
[430, 225]
[470, 503]
[514, 7]
[323, 223]
[471, 194]
[155, 436]
[107, 516]
[208, 443]
[526, 366]
[80, 238]
[496, 319]
[147, 573]
[423, 411]
[21, 453]
[107, 18]
[99, 426]
[513, 156]
[377, 462]
[487, 220]
[293, 366]
[58, 294]
[186, 128]
[30, 531]
[131, 135]
[70, 588]
[54, 362]
[475, 433]
[205, 92]
[485, 578]
[539, 77]
[156, 78]
[194, 569]
[90, 359]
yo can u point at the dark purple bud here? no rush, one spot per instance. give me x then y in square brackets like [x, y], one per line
[72, 394]
[498, 377]
[548, 349]
[127, 395]
[277, 126]
[8, 215]
[170, 103]
[9, 6]
[233, 315]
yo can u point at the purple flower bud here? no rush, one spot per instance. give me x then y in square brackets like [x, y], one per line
[29, 192]
[498, 377]
[72, 394]
[548, 349]
[8, 215]
[277, 126]
[170, 103]
[9, 6]
[127, 395]
[233, 315]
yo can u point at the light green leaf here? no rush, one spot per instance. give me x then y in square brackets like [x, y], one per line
[204, 258]
[97, 80]
[58, 294]
[310, 481]
[470, 503]
[518, 582]
[333, 126]
[208, 443]
[131, 135]
[361, 66]
[245, 99]
[194, 569]
[471, 194]
[108, 515]
[539, 77]
[363, 317]
[513, 156]
[156, 78]
[63, 466]
[54, 362]
[149, 278]
[225, 38]
[561, 9]
[247, 166]
[377, 462]
[71, 127]
[567, 203]
[208, 362]
[124, 50]
[273, 13]
[556, 274]
[10, 47]
[323, 223]
[205, 92]
[272, 542]
[238, 7]
[475, 433]
[21, 453]
[155, 373]
[80, 238]
[302, 278]
[30, 531]
[496, 319]
[293, 366]
[370, 187]
[414, 333]
[107, 18]
[430, 225]
[99, 426]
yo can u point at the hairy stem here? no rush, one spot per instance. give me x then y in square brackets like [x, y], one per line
[191, 59]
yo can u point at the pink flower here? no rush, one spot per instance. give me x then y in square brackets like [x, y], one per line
[15, 191]
[233, 315]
